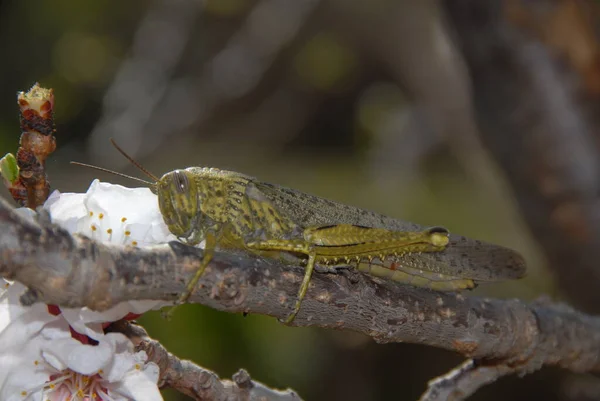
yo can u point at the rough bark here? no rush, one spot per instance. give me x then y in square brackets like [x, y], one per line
[74, 271]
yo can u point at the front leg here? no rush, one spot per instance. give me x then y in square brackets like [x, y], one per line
[209, 251]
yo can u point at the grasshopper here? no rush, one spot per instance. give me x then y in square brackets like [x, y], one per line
[229, 209]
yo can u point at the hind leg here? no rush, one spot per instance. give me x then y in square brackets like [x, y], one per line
[297, 246]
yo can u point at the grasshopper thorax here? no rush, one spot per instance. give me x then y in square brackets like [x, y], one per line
[179, 203]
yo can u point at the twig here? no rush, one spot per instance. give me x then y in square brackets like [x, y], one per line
[74, 271]
[195, 381]
[460, 383]
[31, 186]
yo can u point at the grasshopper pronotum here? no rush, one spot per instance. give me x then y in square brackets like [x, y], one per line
[226, 208]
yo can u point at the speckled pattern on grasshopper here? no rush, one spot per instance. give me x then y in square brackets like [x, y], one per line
[229, 209]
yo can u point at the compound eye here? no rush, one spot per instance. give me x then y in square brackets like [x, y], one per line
[182, 183]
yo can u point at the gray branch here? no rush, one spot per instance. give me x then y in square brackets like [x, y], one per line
[460, 383]
[195, 381]
[74, 271]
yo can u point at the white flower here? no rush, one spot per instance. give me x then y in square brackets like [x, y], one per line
[116, 214]
[20, 342]
[40, 360]
[111, 213]
[51, 354]
[108, 369]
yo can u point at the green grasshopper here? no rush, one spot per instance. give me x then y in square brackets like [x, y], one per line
[229, 209]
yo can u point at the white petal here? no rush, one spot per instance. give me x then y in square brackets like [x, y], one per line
[56, 329]
[18, 322]
[139, 233]
[81, 358]
[124, 359]
[66, 209]
[81, 319]
[20, 372]
[159, 233]
[139, 384]
[136, 204]
[16, 377]
[26, 212]
[54, 196]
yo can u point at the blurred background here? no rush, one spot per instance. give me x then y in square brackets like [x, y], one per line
[477, 115]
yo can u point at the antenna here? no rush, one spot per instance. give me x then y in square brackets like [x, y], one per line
[138, 165]
[113, 172]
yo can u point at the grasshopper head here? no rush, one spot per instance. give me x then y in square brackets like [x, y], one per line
[180, 205]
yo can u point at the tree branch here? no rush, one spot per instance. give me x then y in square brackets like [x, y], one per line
[193, 380]
[74, 271]
[463, 381]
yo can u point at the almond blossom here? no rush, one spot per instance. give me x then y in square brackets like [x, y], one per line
[51, 353]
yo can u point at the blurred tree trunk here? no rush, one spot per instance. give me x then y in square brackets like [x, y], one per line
[535, 72]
